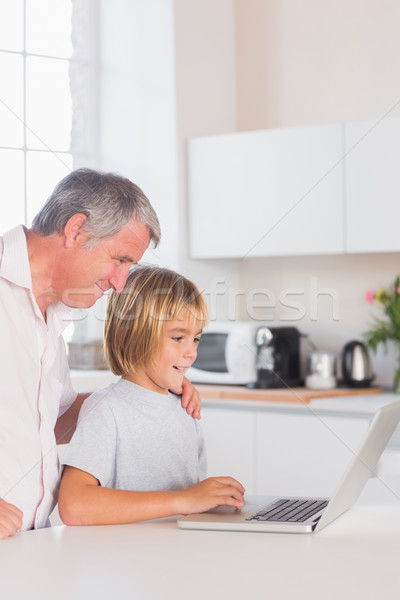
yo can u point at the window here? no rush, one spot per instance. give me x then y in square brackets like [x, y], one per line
[42, 95]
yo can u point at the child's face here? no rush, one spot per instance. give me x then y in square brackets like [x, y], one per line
[175, 355]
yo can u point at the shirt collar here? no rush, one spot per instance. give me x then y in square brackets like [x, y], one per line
[15, 267]
[15, 262]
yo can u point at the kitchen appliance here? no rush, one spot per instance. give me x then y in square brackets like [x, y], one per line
[226, 354]
[356, 366]
[245, 353]
[278, 357]
[321, 370]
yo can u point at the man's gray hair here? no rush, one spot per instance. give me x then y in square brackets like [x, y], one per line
[108, 200]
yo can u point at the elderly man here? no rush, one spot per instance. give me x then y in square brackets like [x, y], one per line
[82, 243]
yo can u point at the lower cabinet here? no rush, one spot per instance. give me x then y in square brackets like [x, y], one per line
[281, 452]
[230, 435]
[304, 454]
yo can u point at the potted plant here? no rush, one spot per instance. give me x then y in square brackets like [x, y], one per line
[387, 327]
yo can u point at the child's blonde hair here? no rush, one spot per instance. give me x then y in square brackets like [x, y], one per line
[137, 316]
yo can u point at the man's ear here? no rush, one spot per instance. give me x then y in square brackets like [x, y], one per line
[74, 230]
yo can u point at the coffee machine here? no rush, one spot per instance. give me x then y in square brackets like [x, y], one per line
[277, 357]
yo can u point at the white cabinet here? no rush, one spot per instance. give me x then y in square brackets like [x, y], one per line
[272, 192]
[373, 185]
[229, 435]
[322, 189]
[304, 454]
[286, 451]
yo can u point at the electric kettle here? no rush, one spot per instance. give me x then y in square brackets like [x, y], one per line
[356, 366]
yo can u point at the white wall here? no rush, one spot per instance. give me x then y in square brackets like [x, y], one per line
[313, 61]
[206, 104]
[167, 73]
[138, 107]
[304, 62]
[324, 297]
[175, 69]
[137, 120]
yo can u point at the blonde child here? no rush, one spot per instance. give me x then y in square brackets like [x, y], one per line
[136, 454]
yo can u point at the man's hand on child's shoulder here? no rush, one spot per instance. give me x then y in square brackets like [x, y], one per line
[190, 398]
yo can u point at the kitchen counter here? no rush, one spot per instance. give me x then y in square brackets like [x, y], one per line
[339, 400]
[296, 395]
[356, 556]
[84, 381]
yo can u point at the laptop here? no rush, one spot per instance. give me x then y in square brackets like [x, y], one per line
[307, 515]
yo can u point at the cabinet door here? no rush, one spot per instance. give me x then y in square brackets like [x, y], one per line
[229, 437]
[304, 454]
[373, 185]
[266, 193]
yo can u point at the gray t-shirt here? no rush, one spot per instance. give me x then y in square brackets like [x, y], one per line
[131, 438]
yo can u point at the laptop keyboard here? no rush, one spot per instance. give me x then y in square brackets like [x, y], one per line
[289, 510]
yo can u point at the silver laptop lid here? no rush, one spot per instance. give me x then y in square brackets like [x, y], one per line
[363, 464]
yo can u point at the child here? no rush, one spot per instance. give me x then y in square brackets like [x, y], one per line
[136, 454]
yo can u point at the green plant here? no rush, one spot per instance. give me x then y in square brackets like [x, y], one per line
[387, 328]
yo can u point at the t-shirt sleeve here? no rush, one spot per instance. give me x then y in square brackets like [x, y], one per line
[93, 445]
[202, 452]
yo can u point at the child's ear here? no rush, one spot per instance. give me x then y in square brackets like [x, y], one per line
[74, 231]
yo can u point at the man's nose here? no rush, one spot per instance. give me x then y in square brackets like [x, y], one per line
[118, 280]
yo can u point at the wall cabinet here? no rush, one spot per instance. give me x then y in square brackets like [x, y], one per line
[323, 189]
[372, 187]
[272, 192]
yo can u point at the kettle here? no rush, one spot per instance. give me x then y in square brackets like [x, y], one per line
[356, 366]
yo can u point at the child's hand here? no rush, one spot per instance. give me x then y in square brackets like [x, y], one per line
[210, 493]
[190, 399]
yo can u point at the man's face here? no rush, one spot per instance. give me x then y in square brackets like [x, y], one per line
[88, 273]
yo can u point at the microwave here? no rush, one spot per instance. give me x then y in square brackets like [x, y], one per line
[226, 354]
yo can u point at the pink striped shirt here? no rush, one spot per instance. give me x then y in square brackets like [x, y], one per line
[35, 387]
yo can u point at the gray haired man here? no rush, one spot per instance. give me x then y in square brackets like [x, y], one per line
[82, 243]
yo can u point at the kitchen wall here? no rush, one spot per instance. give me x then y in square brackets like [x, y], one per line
[136, 116]
[307, 61]
[167, 73]
[302, 62]
[138, 107]
[205, 54]
[175, 69]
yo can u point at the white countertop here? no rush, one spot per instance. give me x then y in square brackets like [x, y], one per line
[360, 404]
[87, 381]
[356, 557]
